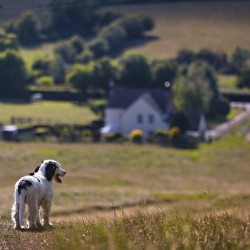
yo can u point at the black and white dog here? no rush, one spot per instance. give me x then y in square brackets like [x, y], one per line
[35, 190]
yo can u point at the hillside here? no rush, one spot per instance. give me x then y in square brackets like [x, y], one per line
[219, 26]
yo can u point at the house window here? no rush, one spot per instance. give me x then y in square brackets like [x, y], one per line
[151, 119]
[140, 119]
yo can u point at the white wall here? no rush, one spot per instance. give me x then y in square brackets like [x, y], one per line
[113, 116]
[142, 107]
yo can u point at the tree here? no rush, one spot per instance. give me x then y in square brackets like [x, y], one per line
[115, 36]
[8, 41]
[99, 47]
[81, 76]
[135, 25]
[164, 71]
[13, 74]
[244, 78]
[239, 57]
[72, 16]
[27, 27]
[104, 71]
[135, 71]
[58, 70]
[196, 90]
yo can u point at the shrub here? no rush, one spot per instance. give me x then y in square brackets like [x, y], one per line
[244, 78]
[44, 81]
[85, 57]
[136, 135]
[115, 35]
[174, 133]
[159, 136]
[99, 47]
[114, 137]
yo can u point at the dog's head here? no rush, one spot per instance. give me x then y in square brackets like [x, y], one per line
[51, 170]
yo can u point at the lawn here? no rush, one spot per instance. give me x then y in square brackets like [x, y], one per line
[106, 175]
[168, 197]
[47, 111]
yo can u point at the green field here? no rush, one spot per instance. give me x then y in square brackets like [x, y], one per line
[106, 175]
[203, 194]
[47, 111]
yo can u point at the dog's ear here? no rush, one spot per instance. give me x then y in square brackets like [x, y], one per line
[37, 168]
[35, 171]
[50, 170]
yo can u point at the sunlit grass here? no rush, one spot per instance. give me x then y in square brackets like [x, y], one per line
[159, 230]
[47, 111]
[217, 25]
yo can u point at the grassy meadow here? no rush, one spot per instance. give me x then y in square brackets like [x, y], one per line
[217, 25]
[47, 111]
[127, 196]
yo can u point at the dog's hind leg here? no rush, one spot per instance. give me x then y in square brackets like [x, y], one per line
[33, 215]
[15, 215]
[21, 210]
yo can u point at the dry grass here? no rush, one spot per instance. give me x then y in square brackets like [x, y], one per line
[195, 198]
[219, 26]
[101, 176]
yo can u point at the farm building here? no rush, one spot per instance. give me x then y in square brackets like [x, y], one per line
[145, 109]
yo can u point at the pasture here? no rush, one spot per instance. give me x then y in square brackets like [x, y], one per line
[47, 112]
[168, 198]
[217, 25]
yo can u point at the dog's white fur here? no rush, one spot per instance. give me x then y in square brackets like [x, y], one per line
[36, 190]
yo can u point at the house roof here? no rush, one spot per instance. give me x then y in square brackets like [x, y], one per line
[124, 97]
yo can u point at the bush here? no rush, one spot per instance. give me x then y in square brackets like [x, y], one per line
[136, 136]
[99, 47]
[174, 133]
[115, 35]
[114, 137]
[159, 136]
[85, 57]
[44, 81]
[244, 78]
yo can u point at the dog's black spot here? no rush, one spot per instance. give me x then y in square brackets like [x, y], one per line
[24, 184]
[35, 171]
[50, 170]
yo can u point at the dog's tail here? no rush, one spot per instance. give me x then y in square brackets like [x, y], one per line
[18, 210]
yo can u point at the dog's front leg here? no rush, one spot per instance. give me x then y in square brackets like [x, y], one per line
[46, 206]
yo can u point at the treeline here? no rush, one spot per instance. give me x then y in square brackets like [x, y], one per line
[65, 18]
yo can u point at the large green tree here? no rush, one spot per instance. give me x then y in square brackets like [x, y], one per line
[27, 27]
[81, 76]
[72, 16]
[12, 72]
[135, 71]
[196, 90]
[104, 73]
[165, 71]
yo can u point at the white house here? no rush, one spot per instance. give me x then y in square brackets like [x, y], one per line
[145, 109]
